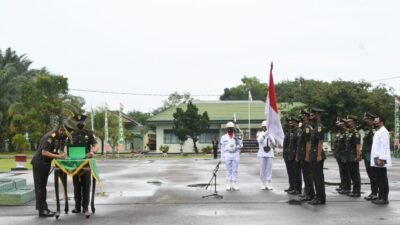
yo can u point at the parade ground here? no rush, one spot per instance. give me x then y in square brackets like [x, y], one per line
[170, 191]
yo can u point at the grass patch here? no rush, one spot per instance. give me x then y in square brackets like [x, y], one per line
[155, 156]
[7, 164]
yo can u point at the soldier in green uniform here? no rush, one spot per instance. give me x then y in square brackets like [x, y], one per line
[303, 137]
[353, 140]
[48, 149]
[317, 156]
[82, 181]
[285, 153]
[294, 165]
[339, 147]
[369, 132]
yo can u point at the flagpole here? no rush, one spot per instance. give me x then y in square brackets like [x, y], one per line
[249, 119]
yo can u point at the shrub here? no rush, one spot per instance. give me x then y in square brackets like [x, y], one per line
[207, 150]
[164, 148]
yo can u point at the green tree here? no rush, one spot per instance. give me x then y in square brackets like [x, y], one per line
[139, 116]
[179, 128]
[192, 122]
[13, 70]
[42, 105]
[21, 144]
[174, 99]
[241, 92]
[99, 127]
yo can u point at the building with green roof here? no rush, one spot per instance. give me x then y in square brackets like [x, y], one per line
[249, 116]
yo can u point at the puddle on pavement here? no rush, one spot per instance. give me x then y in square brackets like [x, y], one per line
[197, 185]
[156, 183]
[124, 194]
[293, 202]
[211, 212]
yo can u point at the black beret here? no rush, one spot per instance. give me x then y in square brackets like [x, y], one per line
[351, 117]
[317, 110]
[370, 115]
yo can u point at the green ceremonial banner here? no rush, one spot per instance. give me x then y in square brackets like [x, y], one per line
[72, 167]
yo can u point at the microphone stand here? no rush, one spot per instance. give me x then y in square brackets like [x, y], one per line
[214, 177]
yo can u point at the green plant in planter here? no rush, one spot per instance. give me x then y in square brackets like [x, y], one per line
[21, 144]
[164, 149]
[207, 150]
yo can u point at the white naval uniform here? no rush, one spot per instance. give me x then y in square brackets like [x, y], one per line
[230, 151]
[265, 158]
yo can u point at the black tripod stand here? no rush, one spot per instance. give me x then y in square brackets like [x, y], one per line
[214, 177]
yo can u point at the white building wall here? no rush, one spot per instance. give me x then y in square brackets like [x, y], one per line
[175, 148]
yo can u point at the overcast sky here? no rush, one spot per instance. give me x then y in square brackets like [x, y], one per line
[203, 46]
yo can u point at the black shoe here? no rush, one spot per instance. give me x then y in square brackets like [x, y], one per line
[306, 199]
[294, 192]
[76, 210]
[344, 192]
[339, 189]
[380, 202]
[354, 195]
[371, 197]
[317, 201]
[46, 213]
[287, 190]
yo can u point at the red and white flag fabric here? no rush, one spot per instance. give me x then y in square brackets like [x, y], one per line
[271, 110]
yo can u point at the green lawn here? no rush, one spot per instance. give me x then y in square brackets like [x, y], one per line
[7, 164]
[7, 160]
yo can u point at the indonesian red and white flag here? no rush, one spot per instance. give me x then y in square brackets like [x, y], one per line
[271, 110]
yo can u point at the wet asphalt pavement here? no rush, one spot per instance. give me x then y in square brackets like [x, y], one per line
[170, 192]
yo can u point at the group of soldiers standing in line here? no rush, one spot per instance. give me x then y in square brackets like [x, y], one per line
[304, 156]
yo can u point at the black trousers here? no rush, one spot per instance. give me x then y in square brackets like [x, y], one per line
[319, 179]
[382, 181]
[297, 176]
[355, 176]
[289, 170]
[346, 185]
[341, 173]
[372, 177]
[82, 184]
[40, 176]
[215, 151]
[305, 168]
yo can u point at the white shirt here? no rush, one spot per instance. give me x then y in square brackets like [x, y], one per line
[381, 147]
[230, 147]
[262, 138]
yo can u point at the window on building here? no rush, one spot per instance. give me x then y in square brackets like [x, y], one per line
[207, 137]
[170, 137]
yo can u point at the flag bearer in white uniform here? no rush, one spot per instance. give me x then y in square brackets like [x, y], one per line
[266, 143]
[230, 150]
